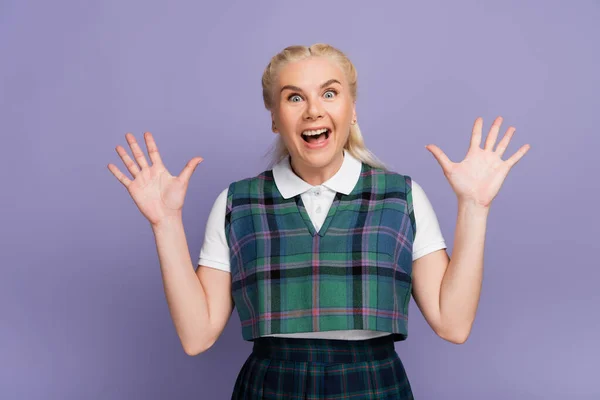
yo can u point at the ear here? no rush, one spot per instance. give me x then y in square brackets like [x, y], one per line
[354, 111]
[273, 126]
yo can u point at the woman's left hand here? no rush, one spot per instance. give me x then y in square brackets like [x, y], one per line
[480, 175]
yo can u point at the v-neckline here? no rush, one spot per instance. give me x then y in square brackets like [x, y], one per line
[330, 214]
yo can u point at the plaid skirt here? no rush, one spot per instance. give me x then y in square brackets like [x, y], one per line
[300, 368]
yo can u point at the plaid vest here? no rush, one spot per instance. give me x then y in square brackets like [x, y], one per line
[355, 273]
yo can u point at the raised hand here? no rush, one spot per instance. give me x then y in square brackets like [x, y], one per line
[480, 175]
[157, 193]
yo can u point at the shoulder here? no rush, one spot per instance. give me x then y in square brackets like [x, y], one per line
[247, 184]
[392, 179]
[245, 191]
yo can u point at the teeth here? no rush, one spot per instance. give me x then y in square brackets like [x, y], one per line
[314, 133]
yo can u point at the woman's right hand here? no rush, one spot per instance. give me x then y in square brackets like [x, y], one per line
[157, 194]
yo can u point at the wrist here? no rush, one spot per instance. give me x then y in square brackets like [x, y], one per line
[167, 222]
[473, 207]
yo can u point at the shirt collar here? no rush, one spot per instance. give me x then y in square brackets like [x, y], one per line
[344, 180]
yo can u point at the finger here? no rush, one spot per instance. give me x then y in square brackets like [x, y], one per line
[439, 155]
[189, 169]
[518, 155]
[503, 144]
[476, 133]
[152, 149]
[131, 166]
[138, 154]
[119, 175]
[493, 134]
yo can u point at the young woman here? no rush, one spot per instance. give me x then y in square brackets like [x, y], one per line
[321, 252]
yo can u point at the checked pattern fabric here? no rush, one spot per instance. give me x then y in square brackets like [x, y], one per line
[354, 273]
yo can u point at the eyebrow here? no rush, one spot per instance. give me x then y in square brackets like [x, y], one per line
[297, 89]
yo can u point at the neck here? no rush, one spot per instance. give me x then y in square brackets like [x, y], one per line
[317, 175]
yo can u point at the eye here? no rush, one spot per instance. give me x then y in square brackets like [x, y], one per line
[294, 98]
[330, 94]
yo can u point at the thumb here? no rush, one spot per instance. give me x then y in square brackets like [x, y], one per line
[189, 169]
[439, 155]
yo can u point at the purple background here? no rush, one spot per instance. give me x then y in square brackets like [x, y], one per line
[83, 312]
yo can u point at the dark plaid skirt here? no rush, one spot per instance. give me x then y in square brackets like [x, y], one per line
[299, 368]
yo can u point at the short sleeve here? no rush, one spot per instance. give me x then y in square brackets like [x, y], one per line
[428, 237]
[214, 252]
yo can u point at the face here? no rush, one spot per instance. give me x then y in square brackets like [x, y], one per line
[313, 110]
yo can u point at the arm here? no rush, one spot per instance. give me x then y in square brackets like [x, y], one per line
[461, 286]
[447, 291]
[200, 302]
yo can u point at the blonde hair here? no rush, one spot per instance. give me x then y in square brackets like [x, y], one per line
[355, 144]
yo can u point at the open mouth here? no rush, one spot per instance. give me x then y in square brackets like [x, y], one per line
[316, 136]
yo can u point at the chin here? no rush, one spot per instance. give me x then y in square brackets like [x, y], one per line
[318, 159]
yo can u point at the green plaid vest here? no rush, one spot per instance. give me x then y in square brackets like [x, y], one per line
[355, 273]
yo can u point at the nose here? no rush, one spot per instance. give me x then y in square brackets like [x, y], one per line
[314, 110]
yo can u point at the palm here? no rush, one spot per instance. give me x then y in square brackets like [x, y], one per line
[157, 193]
[479, 177]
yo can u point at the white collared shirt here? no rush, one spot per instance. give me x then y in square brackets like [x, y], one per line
[214, 252]
[317, 199]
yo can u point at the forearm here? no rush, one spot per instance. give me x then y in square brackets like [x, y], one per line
[185, 296]
[461, 285]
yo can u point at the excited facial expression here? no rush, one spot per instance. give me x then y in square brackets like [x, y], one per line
[313, 110]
